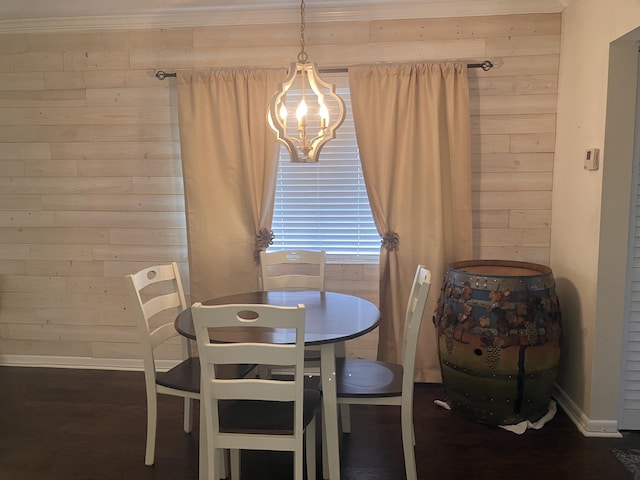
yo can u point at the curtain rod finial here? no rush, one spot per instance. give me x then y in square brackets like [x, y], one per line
[161, 75]
[486, 65]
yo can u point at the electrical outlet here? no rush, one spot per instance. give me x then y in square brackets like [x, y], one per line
[591, 159]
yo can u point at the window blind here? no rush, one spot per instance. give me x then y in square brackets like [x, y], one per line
[324, 205]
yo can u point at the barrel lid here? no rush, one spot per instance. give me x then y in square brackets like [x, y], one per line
[500, 268]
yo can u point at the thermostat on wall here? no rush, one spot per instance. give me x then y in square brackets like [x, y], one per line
[591, 159]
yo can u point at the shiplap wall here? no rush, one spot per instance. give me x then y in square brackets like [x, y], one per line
[90, 185]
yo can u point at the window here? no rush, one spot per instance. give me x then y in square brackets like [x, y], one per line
[324, 205]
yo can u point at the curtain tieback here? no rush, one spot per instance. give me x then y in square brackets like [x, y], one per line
[264, 238]
[391, 241]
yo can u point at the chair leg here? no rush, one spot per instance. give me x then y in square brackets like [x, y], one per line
[345, 417]
[188, 415]
[345, 412]
[225, 465]
[235, 464]
[203, 453]
[310, 443]
[298, 464]
[152, 420]
[408, 442]
[325, 460]
[220, 468]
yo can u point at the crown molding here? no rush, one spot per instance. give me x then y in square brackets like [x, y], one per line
[275, 13]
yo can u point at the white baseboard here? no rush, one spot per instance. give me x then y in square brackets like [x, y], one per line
[129, 364]
[586, 426]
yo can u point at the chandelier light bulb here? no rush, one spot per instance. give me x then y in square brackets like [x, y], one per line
[283, 112]
[301, 111]
[324, 115]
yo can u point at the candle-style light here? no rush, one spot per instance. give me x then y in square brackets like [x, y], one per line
[313, 127]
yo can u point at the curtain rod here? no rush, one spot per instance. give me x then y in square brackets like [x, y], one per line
[486, 66]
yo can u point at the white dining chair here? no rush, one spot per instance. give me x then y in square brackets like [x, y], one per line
[157, 296]
[294, 269]
[298, 269]
[256, 413]
[371, 382]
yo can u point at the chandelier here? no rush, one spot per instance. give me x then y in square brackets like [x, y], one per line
[312, 127]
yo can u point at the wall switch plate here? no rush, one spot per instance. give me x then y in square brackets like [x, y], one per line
[591, 159]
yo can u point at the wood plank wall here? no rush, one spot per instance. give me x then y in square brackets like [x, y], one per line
[90, 174]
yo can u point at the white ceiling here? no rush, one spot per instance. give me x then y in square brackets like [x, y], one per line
[52, 15]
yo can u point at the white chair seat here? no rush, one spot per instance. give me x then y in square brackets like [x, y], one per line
[360, 377]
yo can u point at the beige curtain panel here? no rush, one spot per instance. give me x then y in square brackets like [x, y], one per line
[412, 126]
[229, 163]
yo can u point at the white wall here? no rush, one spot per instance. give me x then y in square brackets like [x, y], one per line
[90, 171]
[590, 211]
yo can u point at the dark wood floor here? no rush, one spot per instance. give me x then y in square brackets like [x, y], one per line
[61, 424]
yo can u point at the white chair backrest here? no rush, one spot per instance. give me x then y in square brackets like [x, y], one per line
[288, 269]
[413, 321]
[157, 296]
[258, 352]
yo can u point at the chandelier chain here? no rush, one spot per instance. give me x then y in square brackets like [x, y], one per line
[302, 56]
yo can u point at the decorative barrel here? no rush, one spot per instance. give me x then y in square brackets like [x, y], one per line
[498, 328]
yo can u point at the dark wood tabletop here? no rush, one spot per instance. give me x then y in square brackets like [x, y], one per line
[330, 317]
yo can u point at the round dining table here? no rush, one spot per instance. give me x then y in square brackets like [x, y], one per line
[331, 319]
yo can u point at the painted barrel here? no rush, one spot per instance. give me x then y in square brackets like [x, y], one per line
[498, 328]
